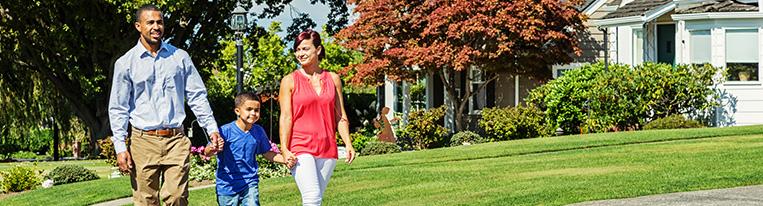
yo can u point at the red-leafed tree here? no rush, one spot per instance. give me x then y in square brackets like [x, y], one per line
[449, 37]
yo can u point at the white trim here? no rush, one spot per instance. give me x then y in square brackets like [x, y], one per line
[574, 65]
[664, 9]
[742, 83]
[617, 21]
[718, 15]
[593, 7]
[516, 90]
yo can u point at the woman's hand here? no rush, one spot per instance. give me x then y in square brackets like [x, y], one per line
[350, 154]
[289, 157]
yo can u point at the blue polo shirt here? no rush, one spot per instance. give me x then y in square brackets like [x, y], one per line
[237, 163]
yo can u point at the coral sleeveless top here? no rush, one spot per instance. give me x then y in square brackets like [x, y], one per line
[313, 117]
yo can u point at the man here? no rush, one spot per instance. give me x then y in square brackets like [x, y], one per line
[151, 83]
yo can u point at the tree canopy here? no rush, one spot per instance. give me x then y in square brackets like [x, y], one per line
[402, 38]
[68, 48]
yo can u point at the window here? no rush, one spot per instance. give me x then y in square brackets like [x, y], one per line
[560, 72]
[742, 55]
[479, 100]
[699, 44]
[638, 47]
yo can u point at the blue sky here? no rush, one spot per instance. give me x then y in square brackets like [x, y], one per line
[317, 12]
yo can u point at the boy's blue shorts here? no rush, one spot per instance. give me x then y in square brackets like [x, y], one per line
[247, 197]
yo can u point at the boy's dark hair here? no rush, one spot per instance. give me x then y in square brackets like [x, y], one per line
[245, 96]
[146, 7]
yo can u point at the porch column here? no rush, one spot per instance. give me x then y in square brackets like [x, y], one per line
[389, 96]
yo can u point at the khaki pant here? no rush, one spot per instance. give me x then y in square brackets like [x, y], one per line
[159, 162]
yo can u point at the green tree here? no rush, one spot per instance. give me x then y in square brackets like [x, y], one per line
[69, 47]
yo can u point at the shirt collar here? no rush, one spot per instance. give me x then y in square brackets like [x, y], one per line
[144, 52]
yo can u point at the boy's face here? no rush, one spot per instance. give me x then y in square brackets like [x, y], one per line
[249, 111]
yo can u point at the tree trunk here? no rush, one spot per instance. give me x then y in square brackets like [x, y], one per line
[459, 103]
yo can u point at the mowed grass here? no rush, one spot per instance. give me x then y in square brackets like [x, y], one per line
[80, 193]
[547, 171]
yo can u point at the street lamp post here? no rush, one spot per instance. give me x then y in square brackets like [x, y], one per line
[51, 123]
[238, 23]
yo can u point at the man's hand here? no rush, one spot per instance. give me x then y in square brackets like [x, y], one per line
[217, 141]
[124, 161]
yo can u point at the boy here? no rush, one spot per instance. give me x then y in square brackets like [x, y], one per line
[237, 177]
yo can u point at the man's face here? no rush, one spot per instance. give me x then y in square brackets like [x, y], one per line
[151, 27]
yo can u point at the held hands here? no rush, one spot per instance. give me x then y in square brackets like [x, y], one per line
[124, 161]
[217, 142]
[289, 158]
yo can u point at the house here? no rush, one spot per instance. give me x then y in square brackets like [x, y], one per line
[724, 33]
[507, 90]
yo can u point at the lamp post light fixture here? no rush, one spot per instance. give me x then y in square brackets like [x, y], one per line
[238, 23]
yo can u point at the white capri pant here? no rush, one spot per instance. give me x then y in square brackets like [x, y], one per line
[312, 176]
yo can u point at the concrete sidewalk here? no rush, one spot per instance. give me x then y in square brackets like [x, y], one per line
[748, 195]
[128, 200]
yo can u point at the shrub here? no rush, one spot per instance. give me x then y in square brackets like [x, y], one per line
[360, 140]
[594, 99]
[268, 169]
[423, 130]
[24, 155]
[466, 137]
[518, 122]
[564, 100]
[377, 148]
[39, 140]
[19, 178]
[676, 121]
[202, 168]
[69, 174]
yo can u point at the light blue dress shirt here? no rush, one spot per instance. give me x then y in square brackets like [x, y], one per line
[150, 92]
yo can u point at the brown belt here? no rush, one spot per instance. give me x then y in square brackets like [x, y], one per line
[162, 132]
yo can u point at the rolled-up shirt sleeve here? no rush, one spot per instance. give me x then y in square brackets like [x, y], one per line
[196, 95]
[119, 105]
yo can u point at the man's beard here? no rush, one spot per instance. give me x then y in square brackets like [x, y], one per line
[151, 41]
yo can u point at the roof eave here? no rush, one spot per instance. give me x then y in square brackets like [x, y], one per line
[594, 6]
[718, 15]
[629, 20]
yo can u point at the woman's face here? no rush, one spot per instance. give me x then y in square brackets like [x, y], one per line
[307, 53]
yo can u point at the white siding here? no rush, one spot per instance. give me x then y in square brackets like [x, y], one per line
[744, 103]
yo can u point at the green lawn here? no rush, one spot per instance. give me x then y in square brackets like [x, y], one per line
[80, 193]
[100, 167]
[549, 171]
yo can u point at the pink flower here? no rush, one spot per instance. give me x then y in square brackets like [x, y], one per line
[274, 148]
[197, 150]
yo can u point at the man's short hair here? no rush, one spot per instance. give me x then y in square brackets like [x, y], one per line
[245, 96]
[146, 7]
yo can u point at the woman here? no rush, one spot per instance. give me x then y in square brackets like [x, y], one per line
[312, 110]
